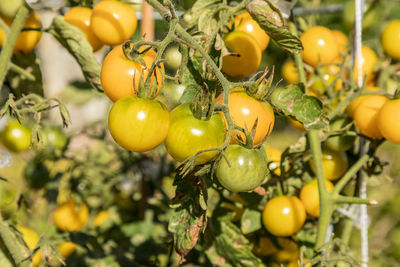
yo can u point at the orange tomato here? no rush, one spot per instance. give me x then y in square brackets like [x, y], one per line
[69, 216]
[289, 72]
[368, 61]
[309, 195]
[389, 121]
[341, 40]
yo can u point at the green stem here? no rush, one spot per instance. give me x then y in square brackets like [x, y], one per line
[11, 38]
[21, 71]
[297, 58]
[347, 230]
[353, 200]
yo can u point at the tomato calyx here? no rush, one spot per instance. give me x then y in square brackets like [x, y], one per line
[262, 87]
[203, 104]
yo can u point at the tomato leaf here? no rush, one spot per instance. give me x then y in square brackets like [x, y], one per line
[75, 42]
[270, 19]
[251, 221]
[229, 246]
[292, 101]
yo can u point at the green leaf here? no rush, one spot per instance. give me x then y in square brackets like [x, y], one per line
[229, 244]
[270, 19]
[75, 42]
[292, 101]
[19, 84]
[251, 221]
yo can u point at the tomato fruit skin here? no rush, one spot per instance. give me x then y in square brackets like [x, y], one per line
[284, 215]
[80, 17]
[366, 115]
[173, 93]
[66, 248]
[247, 170]
[391, 38]
[187, 135]
[101, 217]
[31, 238]
[138, 124]
[9, 196]
[245, 110]
[389, 120]
[324, 79]
[319, 45]
[340, 143]
[26, 40]
[334, 164]
[173, 57]
[113, 22]
[244, 22]
[9, 8]
[289, 72]
[341, 40]
[119, 74]
[68, 216]
[368, 62]
[16, 137]
[309, 195]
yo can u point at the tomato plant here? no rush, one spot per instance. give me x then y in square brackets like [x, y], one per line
[113, 22]
[334, 164]
[120, 76]
[187, 135]
[138, 124]
[341, 142]
[80, 17]
[391, 36]
[284, 215]
[16, 137]
[245, 111]
[289, 72]
[243, 169]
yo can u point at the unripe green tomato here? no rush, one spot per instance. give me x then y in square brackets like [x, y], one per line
[340, 142]
[247, 170]
[16, 137]
[9, 195]
[173, 58]
[9, 8]
[54, 138]
[173, 92]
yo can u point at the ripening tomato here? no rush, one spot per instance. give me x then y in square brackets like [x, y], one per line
[113, 22]
[341, 142]
[334, 164]
[246, 171]
[341, 40]
[101, 217]
[68, 216]
[31, 238]
[284, 215]
[324, 79]
[309, 195]
[296, 124]
[247, 56]
[288, 249]
[366, 115]
[289, 72]
[274, 156]
[120, 75]
[389, 120]
[319, 45]
[173, 57]
[391, 38]
[27, 40]
[354, 104]
[9, 196]
[16, 137]
[244, 22]
[138, 124]
[54, 138]
[368, 62]
[245, 110]
[187, 135]
[80, 17]
[66, 248]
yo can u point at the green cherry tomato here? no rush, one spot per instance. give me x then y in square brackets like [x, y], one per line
[248, 169]
[16, 137]
[340, 142]
[9, 195]
[9, 8]
[54, 138]
[138, 124]
[187, 135]
[173, 58]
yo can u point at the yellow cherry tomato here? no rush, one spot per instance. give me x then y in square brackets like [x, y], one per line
[113, 22]
[27, 40]
[66, 248]
[31, 238]
[247, 56]
[366, 115]
[101, 217]
[354, 104]
[391, 38]
[284, 215]
[368, 62]
[341, 40]
[389, 121]
[309, 195]
[296, 124]
[289, 72]
[319, 45]
[325, 78]
[335, 164]
[274, 156]
[80, 17]
[68, 216]
[288, 250]
[244, 22]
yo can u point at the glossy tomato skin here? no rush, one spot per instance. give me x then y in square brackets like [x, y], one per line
[334, 164]
[68, 216]
[309, 195]
[119, 74]
[187, 135]
[27, 40]
[138, 124]
[9, 8]
[113, 22]
[244, 22]
[284, 215]
[16, 137]
[368, 62]
[389, 120]
[341, 142]
[289, 72]
[245, 110]
[66, 248]
[31, 238]
[319, 45]
[80, 17]
[247, 170]
[391, 38]
[54, 138]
